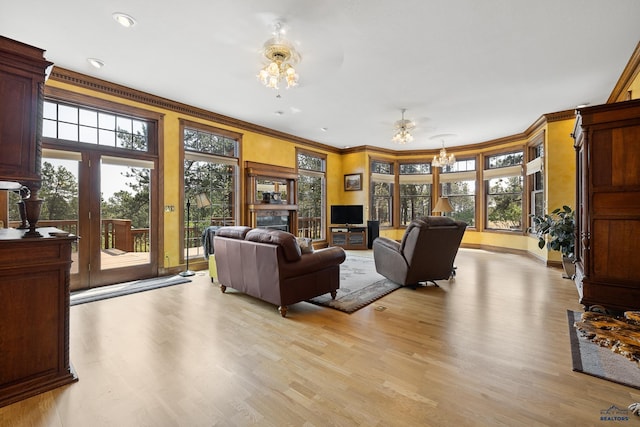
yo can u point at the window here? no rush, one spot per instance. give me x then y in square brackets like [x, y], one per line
[415, 191]
[91, 126]
[382, 181]
[536, 182]
[311, 195]
[458, 183]
[503, 183]
[210, 181]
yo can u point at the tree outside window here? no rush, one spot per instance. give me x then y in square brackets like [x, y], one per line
[415, 191]
[382, 182]
[210, 183]
[536, 183]
[504, 185]
[458, 183]
[311, 196]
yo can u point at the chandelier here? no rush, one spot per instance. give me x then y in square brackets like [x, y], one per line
[443, 159]
[281, 57]
[403, 128]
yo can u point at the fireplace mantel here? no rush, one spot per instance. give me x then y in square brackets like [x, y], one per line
[271, 197]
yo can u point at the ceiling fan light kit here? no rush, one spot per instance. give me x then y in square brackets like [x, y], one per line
[403, 129]
[281, 58]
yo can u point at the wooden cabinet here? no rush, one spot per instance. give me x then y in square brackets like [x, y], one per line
[22, 74]
[34, 314]
[348, 237]
[607, 141]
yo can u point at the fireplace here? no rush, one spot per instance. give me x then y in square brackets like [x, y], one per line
[277, 220]
[271, 197]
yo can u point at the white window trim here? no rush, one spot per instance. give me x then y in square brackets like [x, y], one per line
[458, 176]
[534, 166]
[416, 179]
[502, 172]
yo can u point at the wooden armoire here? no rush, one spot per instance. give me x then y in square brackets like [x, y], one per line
[607, 142]
[34, 264]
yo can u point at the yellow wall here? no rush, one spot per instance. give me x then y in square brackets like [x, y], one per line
[257, 147]
[635, 87]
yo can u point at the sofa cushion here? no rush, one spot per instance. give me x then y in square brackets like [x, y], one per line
[306, 245]
[233, 232]
[285, 240]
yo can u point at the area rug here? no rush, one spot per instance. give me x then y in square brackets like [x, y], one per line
[360, 285]
[592, 359]
[112, 291]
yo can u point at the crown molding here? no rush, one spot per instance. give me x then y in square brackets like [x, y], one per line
[84, 81]
[629, 73]
[87, 82]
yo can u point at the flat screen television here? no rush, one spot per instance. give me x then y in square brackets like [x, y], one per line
[347, 214]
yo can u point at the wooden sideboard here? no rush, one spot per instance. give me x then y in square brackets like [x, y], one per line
[348, 237]
[607, 142]
[34, 313]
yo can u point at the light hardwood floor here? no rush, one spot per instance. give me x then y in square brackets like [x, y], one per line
[488, 349]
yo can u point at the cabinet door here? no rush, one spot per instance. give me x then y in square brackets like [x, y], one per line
[17, 129]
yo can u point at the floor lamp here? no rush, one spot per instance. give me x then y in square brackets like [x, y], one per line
[443, 206]
[188, 272]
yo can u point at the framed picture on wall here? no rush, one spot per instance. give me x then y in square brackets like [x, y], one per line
[353, 182]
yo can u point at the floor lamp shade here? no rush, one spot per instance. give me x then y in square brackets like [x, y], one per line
[202, 201]
[443, 205]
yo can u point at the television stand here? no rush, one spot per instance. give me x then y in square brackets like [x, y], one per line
[348, 237]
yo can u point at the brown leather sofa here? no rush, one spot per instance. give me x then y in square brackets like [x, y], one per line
[426, 252]
[268, 264]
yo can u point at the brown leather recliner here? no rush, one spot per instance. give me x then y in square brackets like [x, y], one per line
[269, 264]
[425, 254]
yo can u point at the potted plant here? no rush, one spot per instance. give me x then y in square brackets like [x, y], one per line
[557, 231]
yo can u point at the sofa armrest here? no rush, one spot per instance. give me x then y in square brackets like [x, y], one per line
[315, 261]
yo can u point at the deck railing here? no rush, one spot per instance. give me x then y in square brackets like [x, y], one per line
[310, 227]
[118, 234]
[115, 233]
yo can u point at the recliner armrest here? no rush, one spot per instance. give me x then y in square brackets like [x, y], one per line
[385, 242]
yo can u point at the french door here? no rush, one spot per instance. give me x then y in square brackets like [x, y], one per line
[108, 202]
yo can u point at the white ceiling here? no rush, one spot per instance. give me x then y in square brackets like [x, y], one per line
[480, 69]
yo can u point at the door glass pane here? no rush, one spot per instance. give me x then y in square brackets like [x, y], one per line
[125, 214]
[59, 192]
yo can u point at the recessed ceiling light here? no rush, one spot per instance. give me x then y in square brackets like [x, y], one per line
[279, 113]
[324, 129]
[95, 63]
[123, 19]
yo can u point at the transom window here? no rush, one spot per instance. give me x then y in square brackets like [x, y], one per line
[210, 143]
[91, 126]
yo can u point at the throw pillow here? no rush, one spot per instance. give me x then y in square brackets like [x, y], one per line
[306, 245]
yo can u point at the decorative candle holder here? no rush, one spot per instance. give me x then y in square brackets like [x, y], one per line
[33, 207]
[22, 210]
